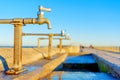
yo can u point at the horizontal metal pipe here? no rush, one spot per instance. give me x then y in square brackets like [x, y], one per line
[56, 34]
[26, 21]
[53, 38]
[6, 21]
[60, 38]
[43, 38]
[19, 20]
[31, 34]
[35, 34]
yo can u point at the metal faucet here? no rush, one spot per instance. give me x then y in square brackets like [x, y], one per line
[18, 23]
[39, 20]
[50, 39]
[67, 37]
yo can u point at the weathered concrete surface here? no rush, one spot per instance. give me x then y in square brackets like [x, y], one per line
[36, 70]
[111, 61]
[72, 50]
[29, 55]
[108, 48]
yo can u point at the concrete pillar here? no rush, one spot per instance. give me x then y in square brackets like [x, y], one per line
[17, 47]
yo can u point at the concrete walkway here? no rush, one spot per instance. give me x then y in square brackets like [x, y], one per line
[112, 57]
[37, 69]
[112, 60]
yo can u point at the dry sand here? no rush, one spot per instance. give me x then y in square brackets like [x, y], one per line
[29, 55]
[33, 54]
[109, 48]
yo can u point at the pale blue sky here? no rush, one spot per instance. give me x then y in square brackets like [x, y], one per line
[94, 22]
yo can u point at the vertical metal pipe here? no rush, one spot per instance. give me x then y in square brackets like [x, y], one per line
[119, 49]
[60, 76]
[17, 47]
[60, 45]
[38, 43]
[50, 46]
[50, 78]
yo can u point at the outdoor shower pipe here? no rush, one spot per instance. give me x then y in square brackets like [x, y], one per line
[18, 23]
[67, 37]
[23, 21]
[50, 39]
[34, 34]
[41, 34]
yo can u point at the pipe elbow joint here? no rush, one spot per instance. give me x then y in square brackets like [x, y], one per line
[45, 21]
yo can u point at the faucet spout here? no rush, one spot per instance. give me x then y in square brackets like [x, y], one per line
[45, 21]
[41, 19]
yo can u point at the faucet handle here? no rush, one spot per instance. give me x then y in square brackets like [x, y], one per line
[67, 36]
[44, 9]
[62, 33]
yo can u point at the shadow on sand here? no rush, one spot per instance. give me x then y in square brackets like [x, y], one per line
[40, 52]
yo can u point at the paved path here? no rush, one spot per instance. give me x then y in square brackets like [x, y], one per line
[109, 58]
[35, 69]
